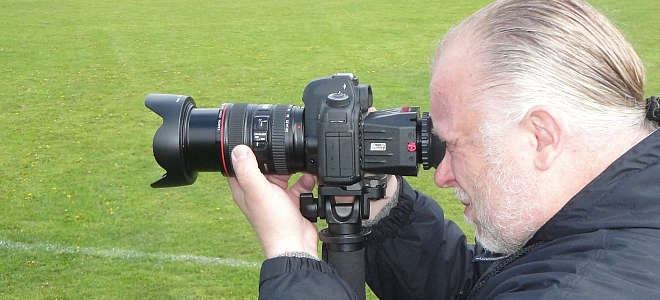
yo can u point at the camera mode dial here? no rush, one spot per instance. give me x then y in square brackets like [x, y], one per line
[338, 99]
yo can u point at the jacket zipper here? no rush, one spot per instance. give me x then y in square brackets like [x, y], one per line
[498, 267]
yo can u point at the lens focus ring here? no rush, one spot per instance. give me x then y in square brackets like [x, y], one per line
[235, 128]
[278, 139]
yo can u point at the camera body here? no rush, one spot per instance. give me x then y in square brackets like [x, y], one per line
[334, 135]
[343, 138]
[335, 108]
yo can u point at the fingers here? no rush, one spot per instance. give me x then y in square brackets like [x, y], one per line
[281, 181]
[248, 178]
[305, 184]
[272, 210]
[236, 191]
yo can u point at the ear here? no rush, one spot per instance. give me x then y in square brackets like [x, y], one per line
[547, 136]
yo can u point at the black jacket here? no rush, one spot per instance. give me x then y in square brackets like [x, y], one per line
[603, 244]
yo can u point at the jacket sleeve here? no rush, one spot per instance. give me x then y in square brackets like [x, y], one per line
[301, 278]
[415, 253]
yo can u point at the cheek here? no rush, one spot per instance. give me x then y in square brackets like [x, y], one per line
[466, 169]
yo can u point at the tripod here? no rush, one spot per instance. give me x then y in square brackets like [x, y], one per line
[345, 238]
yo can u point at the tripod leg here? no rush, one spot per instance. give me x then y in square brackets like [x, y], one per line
[350, 266]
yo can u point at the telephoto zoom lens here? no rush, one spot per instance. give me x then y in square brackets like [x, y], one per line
[193, 140]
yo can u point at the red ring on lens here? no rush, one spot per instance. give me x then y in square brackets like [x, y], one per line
[223, 112]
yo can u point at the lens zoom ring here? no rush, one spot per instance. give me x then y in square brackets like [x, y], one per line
[278, 140]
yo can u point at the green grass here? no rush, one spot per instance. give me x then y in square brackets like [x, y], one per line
[79, 219]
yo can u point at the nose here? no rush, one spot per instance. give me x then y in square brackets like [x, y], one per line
[444, 175]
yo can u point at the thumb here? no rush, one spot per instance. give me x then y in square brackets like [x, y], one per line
[244, 162]
[246, 171]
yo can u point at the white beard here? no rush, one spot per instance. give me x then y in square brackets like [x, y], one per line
[505, 209]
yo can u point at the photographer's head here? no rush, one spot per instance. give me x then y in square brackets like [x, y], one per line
[534, 98]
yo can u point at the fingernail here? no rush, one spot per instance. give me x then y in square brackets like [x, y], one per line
[239, 153]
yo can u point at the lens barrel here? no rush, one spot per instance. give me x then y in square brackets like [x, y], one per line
[193, 140]
[274, 132]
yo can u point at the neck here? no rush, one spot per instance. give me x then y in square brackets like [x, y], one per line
[581, 164]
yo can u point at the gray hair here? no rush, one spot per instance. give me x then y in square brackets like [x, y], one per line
[558, 53]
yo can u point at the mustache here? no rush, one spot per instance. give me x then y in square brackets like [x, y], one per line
[461, 195]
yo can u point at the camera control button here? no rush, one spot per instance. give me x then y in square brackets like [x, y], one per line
[337, 117]
[260, 123]
[259, 145]
[337, 99]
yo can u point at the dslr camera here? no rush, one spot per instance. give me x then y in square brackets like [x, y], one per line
[334, 135]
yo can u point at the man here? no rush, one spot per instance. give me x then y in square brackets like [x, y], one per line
[541, 105]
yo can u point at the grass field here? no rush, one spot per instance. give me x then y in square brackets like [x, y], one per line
[78, 219]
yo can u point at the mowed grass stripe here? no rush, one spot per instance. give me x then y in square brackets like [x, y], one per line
[126, 254]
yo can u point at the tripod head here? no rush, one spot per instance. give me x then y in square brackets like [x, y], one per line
[345, 238]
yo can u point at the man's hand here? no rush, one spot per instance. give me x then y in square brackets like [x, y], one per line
[271, 208]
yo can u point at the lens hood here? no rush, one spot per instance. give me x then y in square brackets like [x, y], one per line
[168, 143]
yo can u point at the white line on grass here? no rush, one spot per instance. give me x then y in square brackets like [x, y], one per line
[126, 254]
